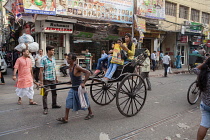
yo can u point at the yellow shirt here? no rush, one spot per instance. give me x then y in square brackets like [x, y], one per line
[131, 52]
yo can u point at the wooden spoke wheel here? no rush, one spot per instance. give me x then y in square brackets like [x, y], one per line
[131, 95]
[103, 94]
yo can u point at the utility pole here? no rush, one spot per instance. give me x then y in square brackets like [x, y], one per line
[1, 23]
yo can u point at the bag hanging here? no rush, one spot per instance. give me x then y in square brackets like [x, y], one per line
[124, 54]
[42, 91]
[116, 57]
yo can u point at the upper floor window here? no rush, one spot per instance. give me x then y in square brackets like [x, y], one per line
[170, 8]
[183, 12]
[205, 17]
[195, 15]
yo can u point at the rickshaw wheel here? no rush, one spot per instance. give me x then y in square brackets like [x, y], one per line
[131, 95]
[103, 93]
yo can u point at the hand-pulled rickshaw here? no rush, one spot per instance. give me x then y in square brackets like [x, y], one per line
[194, 60]
[127, 87]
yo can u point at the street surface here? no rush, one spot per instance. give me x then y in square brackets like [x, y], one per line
[165, 115]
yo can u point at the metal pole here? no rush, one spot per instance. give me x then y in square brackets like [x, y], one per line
[1, 23]
[133, 21]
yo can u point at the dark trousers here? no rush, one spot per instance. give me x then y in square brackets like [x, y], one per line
[153, 65]
[145, 75]
[63, 70]
[54, 94]
[36, 74]
[165, 69]
[2, 78]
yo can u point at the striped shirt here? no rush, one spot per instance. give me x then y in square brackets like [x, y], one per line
[49, 68]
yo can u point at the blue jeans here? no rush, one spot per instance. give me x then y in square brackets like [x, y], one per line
[109, 60]
[111, 70]
[153, 65]
[99, 67]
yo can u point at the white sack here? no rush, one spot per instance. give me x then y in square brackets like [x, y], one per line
[20, 47]
[26, 38]
[33, 47]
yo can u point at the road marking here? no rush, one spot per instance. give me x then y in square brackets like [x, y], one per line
[17, 130]
[155, 124]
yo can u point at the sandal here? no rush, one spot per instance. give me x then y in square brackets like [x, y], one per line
[89, 116]
[62, 120]
[33, 103]
[19, 102]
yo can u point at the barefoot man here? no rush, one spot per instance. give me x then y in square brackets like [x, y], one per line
[72, 100]
[25, 78]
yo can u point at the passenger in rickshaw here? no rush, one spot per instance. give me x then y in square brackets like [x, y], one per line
[101, 62]
[129, 48]
[104, 61]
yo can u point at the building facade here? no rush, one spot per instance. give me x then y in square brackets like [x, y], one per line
[186, 24]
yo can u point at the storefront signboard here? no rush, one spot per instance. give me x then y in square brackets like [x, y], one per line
[82, 34]
[108, 10]
[208, 43]
[196, 40]
[151, 8]
[184, 39]
[57, 27]
[197, 28]
[46, 7]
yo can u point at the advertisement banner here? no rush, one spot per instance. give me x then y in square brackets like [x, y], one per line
[151, 8]
[140, 24]
[46, 7]
[109, 10]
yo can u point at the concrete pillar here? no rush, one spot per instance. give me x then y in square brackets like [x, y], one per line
[189, 15]
[43, 42]
[67, 44]
[200, 16]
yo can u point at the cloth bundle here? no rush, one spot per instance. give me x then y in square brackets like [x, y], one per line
[26, 38]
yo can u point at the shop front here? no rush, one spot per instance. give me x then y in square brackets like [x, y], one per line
[56, 34]
[94, 42]
[182, 48]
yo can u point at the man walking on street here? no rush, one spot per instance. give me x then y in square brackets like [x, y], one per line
[166, 62]
[48, 76]
[87, 59]
[37, 61]
[153, 58]
[25, 78]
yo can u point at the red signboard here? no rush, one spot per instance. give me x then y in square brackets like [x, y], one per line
[208, 43]
[184, 39]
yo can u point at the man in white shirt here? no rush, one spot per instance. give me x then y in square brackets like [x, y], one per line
[153, 58]
[37, 63]
[64, 66]
[166, 63]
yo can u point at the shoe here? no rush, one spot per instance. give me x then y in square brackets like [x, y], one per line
[45, 112]
[56, 106]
